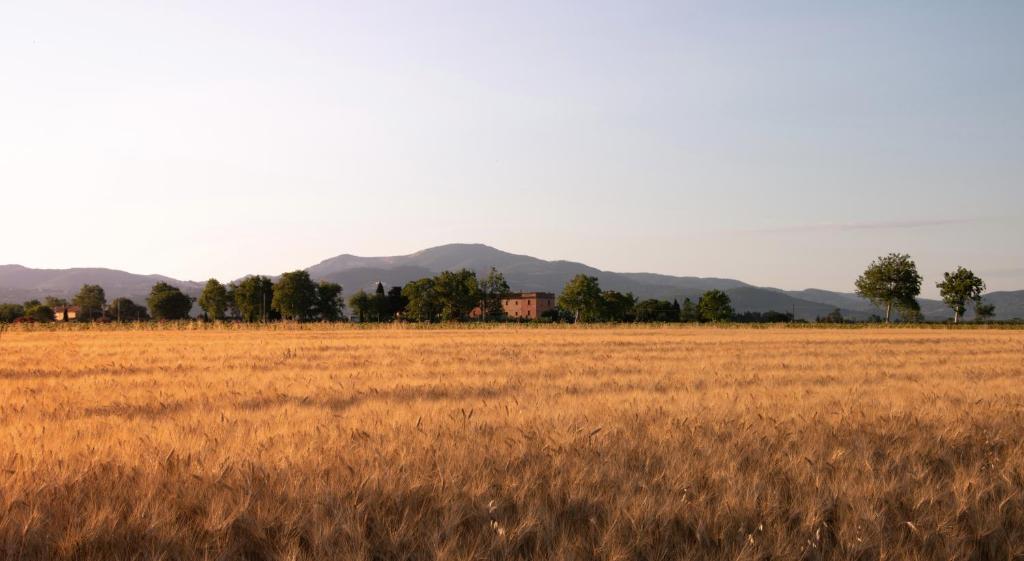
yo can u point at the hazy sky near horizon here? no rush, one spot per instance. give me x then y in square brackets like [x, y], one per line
[785, 144]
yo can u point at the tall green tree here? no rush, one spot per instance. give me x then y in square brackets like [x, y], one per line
[422, 303]
[295, 296]
[253, 298]
[582, 297]
[457, 294]
[959, 287]
[396, 302]
[657, 310]
[983, 311]
[890, 282]
[714, 305]
[39, 312]
[688, 311]
[54, 302]
[214, 300]
[617, 307]
[493, 288]
[123, 309]
[362, 304]
[11, 312]
[168, 302]
[232, 309]
[910, 311]
[835, 316]
[329, 303]
[90, 301]
[380, 308]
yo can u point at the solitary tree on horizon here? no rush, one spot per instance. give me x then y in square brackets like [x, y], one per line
[891, 281]
[958, 287]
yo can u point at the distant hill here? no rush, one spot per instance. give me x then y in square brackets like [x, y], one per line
[834, 299]
[756, 299]
[1009, 303]
[523, 272]
[18, 284]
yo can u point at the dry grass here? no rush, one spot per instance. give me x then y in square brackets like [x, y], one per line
[651, 443]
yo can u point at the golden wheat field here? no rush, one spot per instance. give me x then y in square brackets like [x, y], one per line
[639, 443]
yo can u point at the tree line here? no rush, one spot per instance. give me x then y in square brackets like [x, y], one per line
[461, 295]
[583, 300]
[890, 282]
[450, 296]
[257, 298]
[447, 296]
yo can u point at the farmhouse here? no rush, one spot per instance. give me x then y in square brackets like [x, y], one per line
[65, 313]
[524, 305]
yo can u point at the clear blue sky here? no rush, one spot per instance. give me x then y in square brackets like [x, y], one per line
[785, 144]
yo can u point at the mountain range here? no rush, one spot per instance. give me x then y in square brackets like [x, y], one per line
[523, 273]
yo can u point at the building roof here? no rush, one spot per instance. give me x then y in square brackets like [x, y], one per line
[523, 295]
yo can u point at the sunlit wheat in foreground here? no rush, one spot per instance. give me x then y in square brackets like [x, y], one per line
[626, 443]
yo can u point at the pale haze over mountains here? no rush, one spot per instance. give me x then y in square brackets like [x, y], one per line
[524, 273]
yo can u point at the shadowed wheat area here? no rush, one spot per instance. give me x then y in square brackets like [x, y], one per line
[512, 443]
